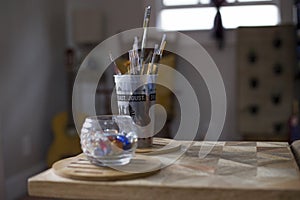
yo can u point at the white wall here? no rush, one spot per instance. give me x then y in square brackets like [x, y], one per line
[117, 15]
[32, 71]
[225, 61]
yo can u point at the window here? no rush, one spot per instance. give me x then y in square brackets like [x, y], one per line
[200, 14]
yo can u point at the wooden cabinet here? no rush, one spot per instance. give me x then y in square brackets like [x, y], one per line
[266, 60]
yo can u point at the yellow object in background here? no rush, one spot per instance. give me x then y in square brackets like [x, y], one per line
[66, 140]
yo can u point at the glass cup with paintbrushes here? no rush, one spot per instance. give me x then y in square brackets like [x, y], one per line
[136, 89]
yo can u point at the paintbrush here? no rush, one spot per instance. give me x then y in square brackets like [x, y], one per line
[145, 26]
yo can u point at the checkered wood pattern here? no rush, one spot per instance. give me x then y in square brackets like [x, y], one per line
[255, 161]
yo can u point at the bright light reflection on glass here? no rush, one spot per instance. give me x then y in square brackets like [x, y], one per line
[262, 15]
[187, 18]
[252, 0]
[232, 17]
[179, 2]
[205, 1]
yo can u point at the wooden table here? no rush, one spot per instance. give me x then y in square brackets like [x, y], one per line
[232, 170]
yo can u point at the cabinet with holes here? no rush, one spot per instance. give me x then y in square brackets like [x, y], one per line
[266, 61]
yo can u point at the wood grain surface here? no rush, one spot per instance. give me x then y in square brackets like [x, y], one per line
[80, 168]
[231, 170]
[296, 150]
[160, 146]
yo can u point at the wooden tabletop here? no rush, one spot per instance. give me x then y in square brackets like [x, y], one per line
[231, 170]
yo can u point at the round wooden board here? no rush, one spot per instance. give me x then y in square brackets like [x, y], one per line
[160, 146]
[80, 168]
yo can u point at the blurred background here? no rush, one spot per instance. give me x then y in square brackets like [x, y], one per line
[254, 43]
